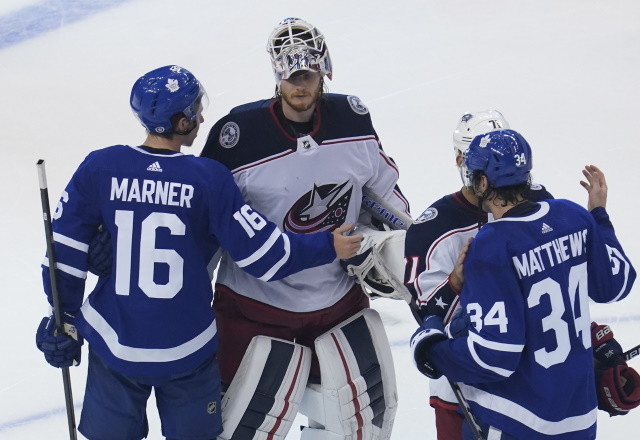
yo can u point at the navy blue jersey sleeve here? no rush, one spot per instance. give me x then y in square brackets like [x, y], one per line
[75, 221]
[256, 244]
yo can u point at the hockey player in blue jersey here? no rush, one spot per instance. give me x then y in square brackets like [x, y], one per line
[432, 245]
[525, 361]
[149, 323]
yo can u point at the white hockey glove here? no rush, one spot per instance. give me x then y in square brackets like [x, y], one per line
[379, 264]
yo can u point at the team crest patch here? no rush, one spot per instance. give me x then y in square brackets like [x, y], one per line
[357, 105]
[428, 214]
[229, 135]
[536, 186]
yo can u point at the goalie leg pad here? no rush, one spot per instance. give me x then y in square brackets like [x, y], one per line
[357, 397]
[263, 398]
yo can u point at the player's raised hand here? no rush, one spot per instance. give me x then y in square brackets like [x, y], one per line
[346, 246]
[596, 186]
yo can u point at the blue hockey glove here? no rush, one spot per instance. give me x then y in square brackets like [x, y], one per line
[100, 253]
[60, 350]
[431, 331]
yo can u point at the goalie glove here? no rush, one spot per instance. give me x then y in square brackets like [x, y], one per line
[617, 385]
[379, 264]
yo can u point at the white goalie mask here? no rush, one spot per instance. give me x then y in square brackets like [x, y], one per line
[296, 45]
[470, 126]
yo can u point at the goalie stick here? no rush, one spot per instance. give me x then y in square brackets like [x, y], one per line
[57, 313]
[396, 219]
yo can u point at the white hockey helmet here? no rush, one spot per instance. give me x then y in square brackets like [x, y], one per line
[473, 124]
[470, 126]
[296, 45]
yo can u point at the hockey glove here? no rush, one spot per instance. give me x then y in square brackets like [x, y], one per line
[617, 385]
[100, 253]
[430, 332]
[606, 350]
[60, 350]
[379, 265]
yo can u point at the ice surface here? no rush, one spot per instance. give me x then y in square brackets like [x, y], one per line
[565, 74]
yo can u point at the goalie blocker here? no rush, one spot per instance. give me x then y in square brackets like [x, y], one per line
[357, 396]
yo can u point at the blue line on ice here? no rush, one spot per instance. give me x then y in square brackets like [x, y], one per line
[34, 20]
[26, 420]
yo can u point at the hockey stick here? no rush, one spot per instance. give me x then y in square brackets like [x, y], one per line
[57, 313]
[396, 219]
[381, 210]
[630, 354]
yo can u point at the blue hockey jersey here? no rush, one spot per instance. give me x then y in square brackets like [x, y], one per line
[168, 214]
[527, 363]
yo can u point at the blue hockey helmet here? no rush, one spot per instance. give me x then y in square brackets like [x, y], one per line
[503, 155]
[158, 95]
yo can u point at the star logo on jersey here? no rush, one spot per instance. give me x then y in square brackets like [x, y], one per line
[322, 209]
[441, 303]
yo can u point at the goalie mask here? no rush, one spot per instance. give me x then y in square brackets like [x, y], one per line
[296, 45]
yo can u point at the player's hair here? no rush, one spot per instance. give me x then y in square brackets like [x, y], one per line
[506, 195]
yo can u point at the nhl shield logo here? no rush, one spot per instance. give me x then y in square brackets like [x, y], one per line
[428, 214]
[229, 135]
[357, 105]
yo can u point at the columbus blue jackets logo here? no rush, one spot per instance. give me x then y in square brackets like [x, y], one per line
[357, 105]
[428, 214]
[229, 135]
[322, 209]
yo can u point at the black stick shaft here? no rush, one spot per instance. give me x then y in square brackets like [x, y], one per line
[57, 311]
[630, 354]
[466, 410]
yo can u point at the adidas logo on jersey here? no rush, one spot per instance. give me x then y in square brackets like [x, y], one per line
[154, 167]
[546, 228]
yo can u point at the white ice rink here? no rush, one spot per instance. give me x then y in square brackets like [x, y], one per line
[564, 72]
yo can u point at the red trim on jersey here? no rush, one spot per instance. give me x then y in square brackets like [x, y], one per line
[317, 118]
[261, 161]
[449, 234]
[350, 139]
